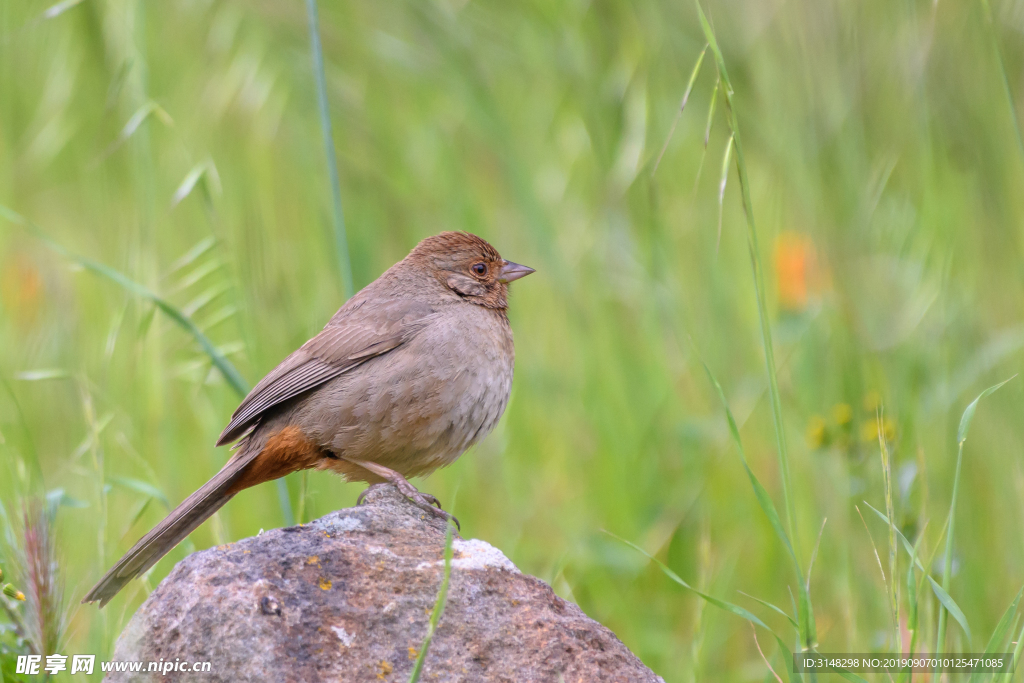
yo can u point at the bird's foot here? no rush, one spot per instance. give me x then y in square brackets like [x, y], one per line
[424, 501]
[427, 503]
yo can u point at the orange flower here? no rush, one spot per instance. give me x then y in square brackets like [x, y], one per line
[794, 269]
[21, 287]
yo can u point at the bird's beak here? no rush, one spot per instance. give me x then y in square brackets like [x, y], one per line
[513, 271]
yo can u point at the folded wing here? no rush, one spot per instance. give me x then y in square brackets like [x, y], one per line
[352, 337]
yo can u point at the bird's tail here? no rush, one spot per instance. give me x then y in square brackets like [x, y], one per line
[195, 510]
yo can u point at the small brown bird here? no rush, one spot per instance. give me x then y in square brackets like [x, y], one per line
[407, 375]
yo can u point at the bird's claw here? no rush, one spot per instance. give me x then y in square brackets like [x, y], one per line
[432, 500]
[426, 502]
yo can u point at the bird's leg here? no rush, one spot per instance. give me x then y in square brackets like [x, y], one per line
[424, 501]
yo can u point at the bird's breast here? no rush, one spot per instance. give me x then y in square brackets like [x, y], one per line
[423, 404]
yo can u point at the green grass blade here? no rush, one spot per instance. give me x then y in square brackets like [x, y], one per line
[998, 639]
[721, 189]
[947, 601]
[340, 239]
[682, 106]
[189, 257]
[773, 608]
[219, 360]
[1019, 647]
[968, 416]
[1002, 73]
[693, 78]
[145, 488]
[711, 112]
[911, 586]
[59, 498]
[198, 274]
[30, 443]
[139, 511]
[814, 551]
[768, 507]
[59, 8]
[721, 604]
[913, 589]
[947, 569]
[223, 364]
[759, 290]
[894, 585]
[148, 110]
[216, 357]
[439, 605]
[710, 599]
[41, 374]
[763, 499]
[203, 171]
[941, 593]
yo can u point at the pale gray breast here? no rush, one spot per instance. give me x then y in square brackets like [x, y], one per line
[422, 405]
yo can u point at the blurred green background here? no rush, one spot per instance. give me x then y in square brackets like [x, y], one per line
[179, 143]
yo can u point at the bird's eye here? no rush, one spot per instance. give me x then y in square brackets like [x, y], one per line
[479, 268]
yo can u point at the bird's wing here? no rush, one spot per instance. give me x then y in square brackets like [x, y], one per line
[353, 336]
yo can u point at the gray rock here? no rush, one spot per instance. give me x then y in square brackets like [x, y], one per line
[348, 598]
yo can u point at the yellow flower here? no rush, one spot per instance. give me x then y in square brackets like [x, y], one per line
[817, 432]
[842, 413]
[12, 592]
[889, 429]
[869, 430]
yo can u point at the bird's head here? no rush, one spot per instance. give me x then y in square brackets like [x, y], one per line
[470, 267]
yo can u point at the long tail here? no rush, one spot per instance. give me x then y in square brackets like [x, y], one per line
[195, 510]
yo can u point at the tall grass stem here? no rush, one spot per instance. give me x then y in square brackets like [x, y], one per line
[807, 615]
[947, 564]
[439, 605]
[758, 272]
[1002, 74]
[340, 239]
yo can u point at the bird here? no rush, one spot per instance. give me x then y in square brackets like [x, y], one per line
[409, 373]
